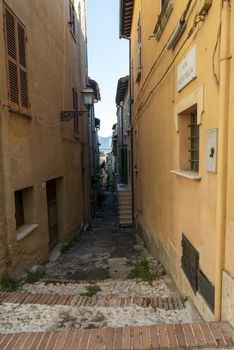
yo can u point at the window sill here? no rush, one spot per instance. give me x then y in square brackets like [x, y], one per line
[25, 230]
[192, 175]
[27, 115]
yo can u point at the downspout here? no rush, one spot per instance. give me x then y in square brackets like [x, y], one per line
[130, 113]
[222, 153]
[3, 214]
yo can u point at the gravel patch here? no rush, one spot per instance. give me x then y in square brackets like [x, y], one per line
[120, 288]
[33, 318]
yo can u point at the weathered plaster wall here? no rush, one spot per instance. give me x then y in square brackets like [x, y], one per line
[167, 205]
[39, 147]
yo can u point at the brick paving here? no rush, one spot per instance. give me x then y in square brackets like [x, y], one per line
[169, 303]
[211, 335]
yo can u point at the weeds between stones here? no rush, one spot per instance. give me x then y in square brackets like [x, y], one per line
[51, 281]
[141, 271]
[33, 277]
[91, 290]
[8, 284]
[68, 245]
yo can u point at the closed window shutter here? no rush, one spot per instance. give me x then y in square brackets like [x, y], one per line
[16, 60]
[22, 67]
[12, 58]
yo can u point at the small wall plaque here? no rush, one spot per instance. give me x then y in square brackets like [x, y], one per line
[187, 69]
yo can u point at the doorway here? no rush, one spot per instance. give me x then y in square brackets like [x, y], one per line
[52, 213]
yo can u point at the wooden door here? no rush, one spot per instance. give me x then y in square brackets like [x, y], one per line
[52, 213]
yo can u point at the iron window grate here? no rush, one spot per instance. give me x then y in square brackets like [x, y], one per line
[194, 142]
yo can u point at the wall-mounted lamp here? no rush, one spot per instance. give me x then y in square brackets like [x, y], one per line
[88, 96]
[88, 100]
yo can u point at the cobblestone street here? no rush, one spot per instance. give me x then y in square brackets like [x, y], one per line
[91, 297]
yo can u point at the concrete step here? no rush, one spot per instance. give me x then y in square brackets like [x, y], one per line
[125, 203]
[124, 194]
[125, 214]
[126, 223]
[125, 207]
[125, 210]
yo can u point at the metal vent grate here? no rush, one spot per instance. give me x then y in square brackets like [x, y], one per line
[206, 289]
[190, 262]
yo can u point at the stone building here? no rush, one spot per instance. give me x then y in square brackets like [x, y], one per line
[44, 161]
[182, 104]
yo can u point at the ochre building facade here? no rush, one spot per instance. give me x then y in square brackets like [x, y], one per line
[44, 195]
[182, 81]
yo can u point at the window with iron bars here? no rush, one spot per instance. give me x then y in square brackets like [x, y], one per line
[194, 142]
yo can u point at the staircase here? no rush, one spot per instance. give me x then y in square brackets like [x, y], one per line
[124, 205]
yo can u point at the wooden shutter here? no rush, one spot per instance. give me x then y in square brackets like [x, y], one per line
[15, 40]
[22, 67]
[12, 58]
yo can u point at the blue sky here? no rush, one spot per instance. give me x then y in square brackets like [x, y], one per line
[107, 55]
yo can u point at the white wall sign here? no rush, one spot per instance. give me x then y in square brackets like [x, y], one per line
[186, 70]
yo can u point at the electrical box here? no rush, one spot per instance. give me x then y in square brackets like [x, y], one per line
[211, 151]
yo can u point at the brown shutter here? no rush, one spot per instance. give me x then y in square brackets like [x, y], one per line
[16, 60]
[11, 58]
[22, 67]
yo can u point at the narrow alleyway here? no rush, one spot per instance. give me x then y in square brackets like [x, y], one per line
[105, 292]
[91, 258]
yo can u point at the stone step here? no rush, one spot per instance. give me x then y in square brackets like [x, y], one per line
[125, 211]
[126, 219]
[125, 205]
[212, 335]
[125, 215]
[125, 224]
[125, 202]
[124, 193]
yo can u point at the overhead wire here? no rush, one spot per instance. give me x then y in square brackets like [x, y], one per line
[184, 15]
[171, 64]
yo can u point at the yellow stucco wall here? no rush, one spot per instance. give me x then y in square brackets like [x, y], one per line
[39, 147]
[167, 205]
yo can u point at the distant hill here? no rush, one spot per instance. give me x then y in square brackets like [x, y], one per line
[105, 143]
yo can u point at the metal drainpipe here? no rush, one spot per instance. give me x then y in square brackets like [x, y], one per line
[130, 113]
[3, 199]
[222, 154]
